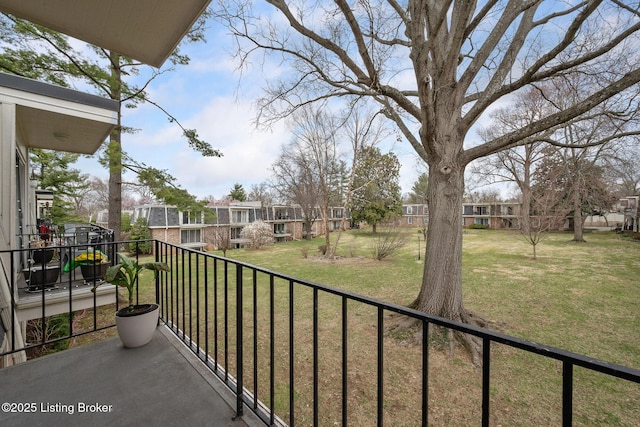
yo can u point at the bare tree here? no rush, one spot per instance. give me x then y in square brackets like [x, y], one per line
[514, 165]
[261, 193]
[436, 67]
[623, 168]
[363, 131]
[222, 240]
[309, 170]
[548, 208]
[293, 182]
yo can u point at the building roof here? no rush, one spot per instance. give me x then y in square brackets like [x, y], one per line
[57, 118]
[145, 30]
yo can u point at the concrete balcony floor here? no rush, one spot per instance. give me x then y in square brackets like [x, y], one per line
[162, 383]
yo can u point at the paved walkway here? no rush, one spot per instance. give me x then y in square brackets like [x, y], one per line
[105, 384]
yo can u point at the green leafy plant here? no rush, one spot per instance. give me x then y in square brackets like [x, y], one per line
[125, 274]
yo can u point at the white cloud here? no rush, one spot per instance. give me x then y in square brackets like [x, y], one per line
[227, 126]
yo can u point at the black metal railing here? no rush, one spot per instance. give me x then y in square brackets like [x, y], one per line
[268, 337]
[300, 353]
[42, 282]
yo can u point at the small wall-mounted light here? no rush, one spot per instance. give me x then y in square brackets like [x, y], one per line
[61, 136]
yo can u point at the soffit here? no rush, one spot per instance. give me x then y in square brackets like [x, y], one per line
[145, 30]
[60, 132]
[58, 118]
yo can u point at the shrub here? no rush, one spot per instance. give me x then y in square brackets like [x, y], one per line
[258, 234]
[304, 251]
[478, 226]
[125, 222]
[388, 244]
[140, 231]
[49, 328]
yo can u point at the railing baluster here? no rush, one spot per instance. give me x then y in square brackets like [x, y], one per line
[197, 273]
[292, 383]
[315, 357]
[189, 309]
[255, 340]
[380, 366]
[272, 390]
[14, 327]
[183, 325]
[206, 308]
[239, 342]
[425, 373]
[173, 288]
[344, 363]
[215, 313]
[567, 393]
[486, 377]
[226, 321]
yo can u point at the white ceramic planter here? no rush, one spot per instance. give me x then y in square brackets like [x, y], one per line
[137, 330]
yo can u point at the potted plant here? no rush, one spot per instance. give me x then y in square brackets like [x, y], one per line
[41, 253]
[136, 323]
[40, 274]
[93, 265]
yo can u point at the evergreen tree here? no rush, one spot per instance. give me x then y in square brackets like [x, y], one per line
[52, 171]
[419, 190]
[43, 54]
[238, 193]
[140, 231]
[376, 195]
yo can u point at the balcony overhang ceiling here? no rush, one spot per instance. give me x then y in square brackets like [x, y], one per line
[144, 30]
[57, 118]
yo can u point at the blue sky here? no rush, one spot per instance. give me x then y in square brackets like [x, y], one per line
[211, 96]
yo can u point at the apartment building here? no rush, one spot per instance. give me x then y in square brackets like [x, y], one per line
[193, 230]
[494, 215]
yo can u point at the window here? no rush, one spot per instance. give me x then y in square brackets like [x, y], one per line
[235, 232]
[481, 210]
[409, 210]
[410, 220]
[278, 228]
[239, 217]
[481, 221]
[191, 236]
[192, 217]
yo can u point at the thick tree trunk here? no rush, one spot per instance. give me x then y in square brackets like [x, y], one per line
[308, 224]
[327, 236]
[441, 291]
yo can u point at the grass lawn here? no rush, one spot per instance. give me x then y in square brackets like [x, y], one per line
[581, 297]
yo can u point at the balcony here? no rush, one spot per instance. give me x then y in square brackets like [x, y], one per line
[104, 384]
[296, 352]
